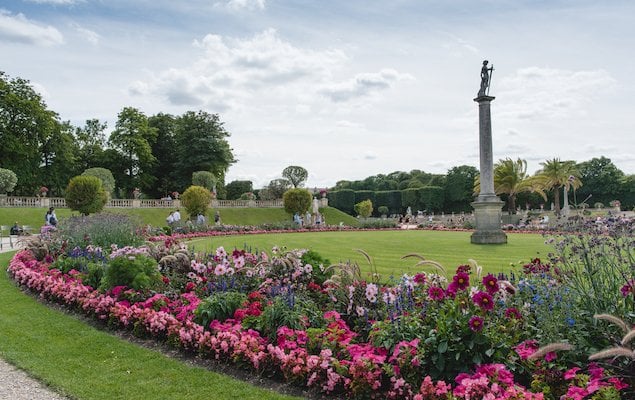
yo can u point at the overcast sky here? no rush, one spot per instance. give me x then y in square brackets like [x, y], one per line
[346, 89]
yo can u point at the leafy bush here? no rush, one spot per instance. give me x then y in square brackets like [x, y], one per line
[297, 201]
[288, 311]
[318, 263]
[107, 180]
[219, 306]
[364, 208]
[102, 230]
[196, 200]
[8, 180]
[378, 224]
[205, 179]
[86, 194]
[137, 272]
[383, 210]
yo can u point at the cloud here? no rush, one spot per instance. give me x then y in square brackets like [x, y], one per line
[537, 93]
[235, 69]
[370, 155]
[363, 85]
[54, 2]
[91, 36]
[240, 5]
[17, 28]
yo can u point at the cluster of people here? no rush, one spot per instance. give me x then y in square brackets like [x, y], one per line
[308, 219]
[174, 217]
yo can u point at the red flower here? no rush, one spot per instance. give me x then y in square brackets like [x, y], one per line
[476, 323]
[420, 278]
[491, 283]
[483, 300]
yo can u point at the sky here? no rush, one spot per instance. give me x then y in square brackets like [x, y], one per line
[345, 89]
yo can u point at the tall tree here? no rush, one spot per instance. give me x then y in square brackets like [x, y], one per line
[556, 174]
[58, 150]
[201, 145]
[25, 123]
[601, 178]
[511, 179]
[164, 149]
[296, 175]
[91, 139]
[133, 138]
[459, 185]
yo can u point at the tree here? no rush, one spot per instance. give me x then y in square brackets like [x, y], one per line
[297, 201]
[364, 208]
[196, 200]
[556, 174]
[205, 179]
[133, 138]
[458, 188]
[201, 145]
[164, 150]
[296, 175]
[86, 194]
[510, 179]
[236, 188]
[277, 187]
[8, 180]
[105, 176]
[601, 178]
[25, 124]
[91, 141]
[58, 163]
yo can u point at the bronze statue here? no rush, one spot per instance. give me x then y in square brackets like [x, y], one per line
[486, 77]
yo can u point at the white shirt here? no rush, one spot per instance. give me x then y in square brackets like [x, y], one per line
[176, 216]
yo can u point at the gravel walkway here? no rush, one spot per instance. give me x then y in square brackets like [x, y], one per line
[17, 385]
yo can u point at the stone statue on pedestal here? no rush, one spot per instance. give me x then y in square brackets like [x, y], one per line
[486, 78]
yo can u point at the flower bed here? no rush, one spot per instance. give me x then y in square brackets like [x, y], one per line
[422, 337]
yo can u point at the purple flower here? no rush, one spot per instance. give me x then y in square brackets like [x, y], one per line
[436, 293]
[476, 323]
[462, 280]
[512, 313]
[491, 283]
[483, 300]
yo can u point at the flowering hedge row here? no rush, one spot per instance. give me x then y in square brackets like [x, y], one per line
[343, 363]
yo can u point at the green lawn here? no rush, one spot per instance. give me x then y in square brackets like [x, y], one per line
[156, 216]
[387, 247]
[84, 363]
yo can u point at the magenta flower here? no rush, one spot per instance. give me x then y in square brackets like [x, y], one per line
[491, 283]
[436, 293]
[483, 300]
[476, 323]
[420, 278]
[513, 313]
[462, 280]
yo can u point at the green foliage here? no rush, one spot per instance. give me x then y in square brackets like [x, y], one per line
[86, 194]
[297, 201]
[431, 198]
[105, 176]
[196, 200]
[459, 186]
[383, 210]
[236, 188]
[378, 224]
[102, 229]
[361, 195]
[391, 199]
[8, 180]
[137, 272]
[205, 179]
[364, 208]
[276, 189]
[286, 310]
[91, 141]
[601, 178]
[296, 175]
[410, 198]
[318, 262]
[219, 306]
[343, 200]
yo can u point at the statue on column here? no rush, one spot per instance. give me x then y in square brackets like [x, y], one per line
[486, 78]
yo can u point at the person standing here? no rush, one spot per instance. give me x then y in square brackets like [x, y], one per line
[200, 219]
[176, 216]
[170, 218]
[217, 217]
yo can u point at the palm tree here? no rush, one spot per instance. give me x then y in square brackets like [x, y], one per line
[556, 174]
[510, 178]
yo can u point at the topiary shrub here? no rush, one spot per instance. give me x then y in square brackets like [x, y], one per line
[383, 210]
[8, 180]
[86, 194]
[297, 201]
[137, 272]
[364, 208]
[204, 179]
[196, 200]
[105, 176]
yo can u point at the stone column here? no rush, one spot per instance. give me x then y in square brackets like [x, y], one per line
[487, 207]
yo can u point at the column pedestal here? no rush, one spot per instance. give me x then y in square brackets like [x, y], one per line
[487, 216]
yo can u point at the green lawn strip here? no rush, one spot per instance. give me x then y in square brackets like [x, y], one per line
[156, 216]
[387, 247]
[85, 363]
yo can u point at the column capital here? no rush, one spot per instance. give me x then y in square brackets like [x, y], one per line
[482, 99]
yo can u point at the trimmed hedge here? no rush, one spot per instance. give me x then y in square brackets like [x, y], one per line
[343, 200]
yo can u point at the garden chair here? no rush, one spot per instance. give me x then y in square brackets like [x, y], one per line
[26, 229]
[7, 229]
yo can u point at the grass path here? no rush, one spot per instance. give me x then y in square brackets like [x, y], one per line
[387, 247]
[84, 363]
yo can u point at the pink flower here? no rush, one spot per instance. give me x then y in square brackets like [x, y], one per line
[462, 280]
[436, 293]
[512, 313]
[526, 348]
[483, 300]
[420, 279]
[570, 374]
[476, 323]
[490, 283]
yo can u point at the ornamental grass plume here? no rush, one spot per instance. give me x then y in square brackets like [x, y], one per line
[614, 320]
[550, 348]
[423, 261]
[617, 351]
